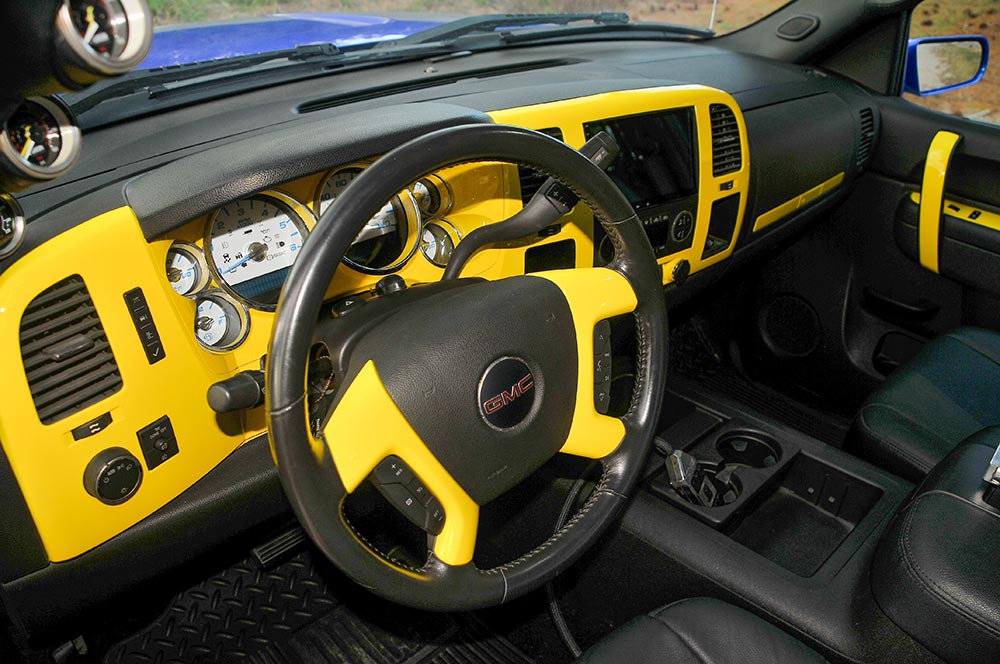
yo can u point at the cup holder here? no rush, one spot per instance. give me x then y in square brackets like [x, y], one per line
[744, 448]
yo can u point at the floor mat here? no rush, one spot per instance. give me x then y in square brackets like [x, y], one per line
[695, 355]
[291, 615]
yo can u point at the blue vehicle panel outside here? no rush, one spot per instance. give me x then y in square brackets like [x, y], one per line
[194, 43]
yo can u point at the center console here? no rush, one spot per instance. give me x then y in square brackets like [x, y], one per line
[788, 529]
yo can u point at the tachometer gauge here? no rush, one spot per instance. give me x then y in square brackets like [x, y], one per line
[102, 37]
[220, 323]
[438, 240]
[187, 271]
[252, 244]
[388, 240]
[40, 139]
[11, 225]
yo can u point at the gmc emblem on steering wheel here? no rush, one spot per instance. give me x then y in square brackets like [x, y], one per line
[506, 393]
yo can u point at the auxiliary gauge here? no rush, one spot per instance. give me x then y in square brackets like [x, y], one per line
[187, 271]
[40, 140]
[11, 225]
[221, 323]
[99, 38]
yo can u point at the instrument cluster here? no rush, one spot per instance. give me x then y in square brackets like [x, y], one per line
[243, 251]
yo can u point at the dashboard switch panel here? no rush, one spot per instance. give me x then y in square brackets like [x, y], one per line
[394, 480]
[144, 325]
[602, 366]
[158, 442]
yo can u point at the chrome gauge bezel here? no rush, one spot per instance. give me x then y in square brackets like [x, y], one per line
[439, 189]
[140, 37]
[300, 214]
[404, 203]
[69, 151]
[242, 316]
[450, 229]
[18, 222]
[197, 256]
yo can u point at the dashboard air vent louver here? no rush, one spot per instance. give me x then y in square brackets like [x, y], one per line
[531, 180]
[66, 354]
[867, 137]
[727, 154]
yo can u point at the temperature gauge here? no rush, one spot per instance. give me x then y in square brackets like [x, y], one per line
[221, 323]
[438, 240]
[187, 271]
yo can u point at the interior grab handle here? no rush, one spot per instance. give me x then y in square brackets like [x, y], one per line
[939, 156]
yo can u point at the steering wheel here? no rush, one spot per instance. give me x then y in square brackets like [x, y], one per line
[452, 393]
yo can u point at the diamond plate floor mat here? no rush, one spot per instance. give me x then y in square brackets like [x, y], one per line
[291, 615]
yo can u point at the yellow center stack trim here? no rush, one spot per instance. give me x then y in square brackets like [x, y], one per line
[569, 116]
[593, 294]
[932, 197]
[358, 442]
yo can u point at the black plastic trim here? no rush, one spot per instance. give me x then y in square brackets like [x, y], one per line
[172, 195]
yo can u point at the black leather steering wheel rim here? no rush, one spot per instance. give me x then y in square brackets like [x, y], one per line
[307, 470]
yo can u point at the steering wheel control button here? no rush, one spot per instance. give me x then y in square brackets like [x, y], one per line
[420, 492]
[113, 476]
[435, 517]
[94, 426]
[143, 321]
[392, 470]
[506, 393]
[158, 442]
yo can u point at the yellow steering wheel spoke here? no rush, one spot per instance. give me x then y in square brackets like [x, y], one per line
[367, 427]
[593, 294]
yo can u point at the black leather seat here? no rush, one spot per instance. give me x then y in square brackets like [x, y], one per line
[948, 392]
[699, 631]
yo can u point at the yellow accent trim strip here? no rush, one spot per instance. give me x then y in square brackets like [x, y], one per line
[800, 201]
[366, 427]
[593, 294]
[973, 215]
[932, 196]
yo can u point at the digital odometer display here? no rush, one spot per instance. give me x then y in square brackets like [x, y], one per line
[658, 159]
[253, 243]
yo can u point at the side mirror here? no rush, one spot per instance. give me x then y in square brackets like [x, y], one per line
[940, 64]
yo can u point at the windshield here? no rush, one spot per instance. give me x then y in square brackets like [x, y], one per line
[198, 30]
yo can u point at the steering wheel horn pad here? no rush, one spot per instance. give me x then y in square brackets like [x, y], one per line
[432, 357]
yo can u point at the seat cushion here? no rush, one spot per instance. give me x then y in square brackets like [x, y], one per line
[699, 631]
[926, 408]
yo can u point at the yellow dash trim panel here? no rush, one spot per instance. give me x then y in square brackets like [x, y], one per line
[800, 201]
[593, 294]
[366, 427]
[932, 196]
[112, 256]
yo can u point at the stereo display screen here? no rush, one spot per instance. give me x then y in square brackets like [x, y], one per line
[658, 159]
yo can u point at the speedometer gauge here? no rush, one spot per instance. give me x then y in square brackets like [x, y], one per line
[389, 239]
[252, 244]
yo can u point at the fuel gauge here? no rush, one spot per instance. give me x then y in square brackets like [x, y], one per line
[221, 323]
[187, 270]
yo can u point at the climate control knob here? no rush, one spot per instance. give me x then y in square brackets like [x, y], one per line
[113, 476]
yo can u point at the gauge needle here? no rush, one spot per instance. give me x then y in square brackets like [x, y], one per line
[29, 143]
[92, 26]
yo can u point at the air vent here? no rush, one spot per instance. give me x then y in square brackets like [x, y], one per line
[867, 138]
[66, 354]
[532, 180]
[727, 154]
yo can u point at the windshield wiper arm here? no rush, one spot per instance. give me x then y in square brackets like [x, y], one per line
[491, 22]
[146, 79]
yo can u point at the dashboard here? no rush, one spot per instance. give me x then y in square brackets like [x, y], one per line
[151, 272]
